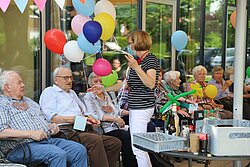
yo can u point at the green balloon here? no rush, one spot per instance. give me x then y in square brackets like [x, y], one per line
[110, 79]
[248, 71]
[173, 99]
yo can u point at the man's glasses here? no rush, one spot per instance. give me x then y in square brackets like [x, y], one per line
[66, 78]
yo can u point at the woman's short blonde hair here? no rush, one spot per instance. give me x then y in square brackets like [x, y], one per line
[141, 40]
[199, 68]
[171, 75]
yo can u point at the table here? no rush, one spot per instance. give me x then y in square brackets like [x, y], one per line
[190, 156]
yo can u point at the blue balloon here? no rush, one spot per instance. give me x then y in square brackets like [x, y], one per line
[84, 8]
[88, 47]
[179, 40]
[92, 30]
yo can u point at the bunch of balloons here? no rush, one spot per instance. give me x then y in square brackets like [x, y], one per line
[89, 31]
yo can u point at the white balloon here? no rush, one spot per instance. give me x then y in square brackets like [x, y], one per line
[105, 6]
[72, 51]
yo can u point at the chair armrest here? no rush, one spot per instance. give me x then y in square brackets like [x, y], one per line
[18, 141]
[66, 129]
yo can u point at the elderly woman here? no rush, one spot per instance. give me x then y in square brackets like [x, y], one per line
[100, 107]
[199, 73]
[172, 85]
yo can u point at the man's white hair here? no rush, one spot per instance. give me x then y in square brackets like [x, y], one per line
[4, 77]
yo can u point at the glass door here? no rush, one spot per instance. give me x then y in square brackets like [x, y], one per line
[158, 19]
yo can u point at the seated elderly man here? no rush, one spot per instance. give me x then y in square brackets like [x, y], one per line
[21, 117]
[61, 105]
[224, 95]
[100, 106]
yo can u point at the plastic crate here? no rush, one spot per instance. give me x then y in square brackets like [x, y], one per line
[158, 142]
[226, 137]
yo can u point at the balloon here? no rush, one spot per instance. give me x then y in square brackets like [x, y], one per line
[233, 19]
[211, 91]
[72, 51]
[179, 40]
[92, 30]
[88, 47]
[198, 88]
[110, 79]
[248, 71]
[55, 40]
[102, 67]
[77, 23]
[105, 6]
[85, 8]
[173, 99]
[108, 25]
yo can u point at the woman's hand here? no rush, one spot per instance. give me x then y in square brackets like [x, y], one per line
[183, 113]
[92, 121]
[124, 112]
[96, 89]
[132, 63]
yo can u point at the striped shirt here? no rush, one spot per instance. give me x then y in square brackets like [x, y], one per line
[13, 118]
[140, 96]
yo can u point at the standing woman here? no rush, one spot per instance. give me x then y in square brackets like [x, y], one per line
[141, 81]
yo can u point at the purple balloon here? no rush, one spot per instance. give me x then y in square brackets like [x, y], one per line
[92, 30]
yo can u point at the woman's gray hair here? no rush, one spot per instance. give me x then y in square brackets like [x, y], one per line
[199, 68]
[171, 75]
[229, 71]
[91, 76]
[4, 78]
[56, 71]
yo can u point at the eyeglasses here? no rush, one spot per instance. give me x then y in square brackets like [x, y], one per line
[66, 78]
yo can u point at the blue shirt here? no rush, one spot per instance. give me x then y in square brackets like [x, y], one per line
[13, 118]
[220, 94]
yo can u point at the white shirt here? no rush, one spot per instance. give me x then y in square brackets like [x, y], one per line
[56, 101]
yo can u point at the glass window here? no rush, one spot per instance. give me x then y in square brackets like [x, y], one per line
[20, 45]
[213, 34]
[159, 20]
[189, 22]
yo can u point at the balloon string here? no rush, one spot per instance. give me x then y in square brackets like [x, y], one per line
[62, 59]
[88, 56]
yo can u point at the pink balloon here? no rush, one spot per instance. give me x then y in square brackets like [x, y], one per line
[77, 23]
[102, 67]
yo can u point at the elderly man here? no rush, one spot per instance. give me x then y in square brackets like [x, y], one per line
[61, 105]
[224, 95]
[21, 117]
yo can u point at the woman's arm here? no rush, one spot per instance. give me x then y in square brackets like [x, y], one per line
[96, 89]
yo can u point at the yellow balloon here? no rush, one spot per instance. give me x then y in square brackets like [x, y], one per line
[108, 25]
[211, 91]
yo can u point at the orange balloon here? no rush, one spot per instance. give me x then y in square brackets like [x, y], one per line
[233, 19]
[82, 1]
